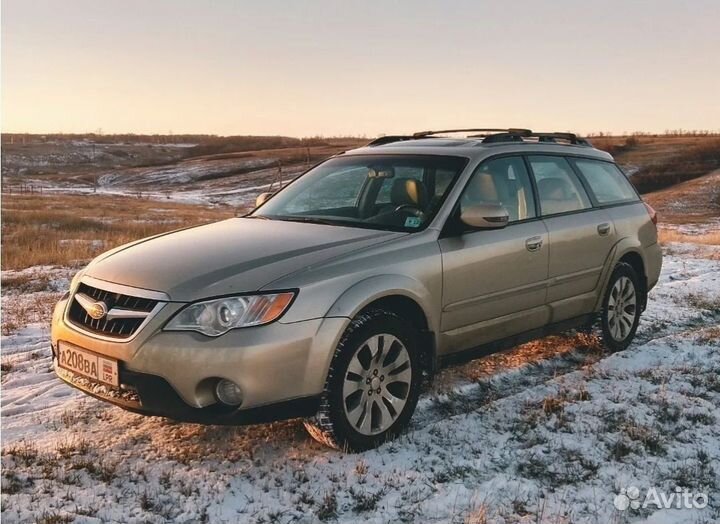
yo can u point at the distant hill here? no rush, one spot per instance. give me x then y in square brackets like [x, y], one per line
[657, 162]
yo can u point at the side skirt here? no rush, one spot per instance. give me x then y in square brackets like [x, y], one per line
[504, 344]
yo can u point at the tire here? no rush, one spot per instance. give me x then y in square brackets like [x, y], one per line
[379, 352]
[618, 330]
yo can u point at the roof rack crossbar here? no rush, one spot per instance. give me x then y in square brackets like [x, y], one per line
[421, 134]
[572, 138]
[389, 139]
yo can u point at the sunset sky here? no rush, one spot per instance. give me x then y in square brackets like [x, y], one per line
[361, 68]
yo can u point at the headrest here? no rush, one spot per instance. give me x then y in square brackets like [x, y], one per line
[484, 189]
[555, 189]
[408, 191]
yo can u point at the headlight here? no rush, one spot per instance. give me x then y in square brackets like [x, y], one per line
[215, 317]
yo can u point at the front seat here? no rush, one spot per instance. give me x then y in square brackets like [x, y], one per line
[403, 192]
[408, 191]
[482, 190]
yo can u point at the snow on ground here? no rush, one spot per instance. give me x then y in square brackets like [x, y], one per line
[234, 182]
[551, 440]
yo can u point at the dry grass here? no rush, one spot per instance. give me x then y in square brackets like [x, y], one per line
[663, 161]
[26, 282]
[19, 312]
[710, 335]
[693, 202]
[666, 236]
[71, 229]
[478, 515]
[688, 163]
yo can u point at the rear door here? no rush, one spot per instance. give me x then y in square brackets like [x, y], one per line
[580, 236]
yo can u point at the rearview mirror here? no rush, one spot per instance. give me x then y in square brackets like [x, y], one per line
[381, 172]
[485, 216]
[262, 198]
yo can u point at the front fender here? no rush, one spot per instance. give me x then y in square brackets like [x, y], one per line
[359, 295]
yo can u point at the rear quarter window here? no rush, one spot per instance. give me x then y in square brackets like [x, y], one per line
[608, 184]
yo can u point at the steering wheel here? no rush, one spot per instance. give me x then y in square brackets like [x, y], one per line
[411, 209]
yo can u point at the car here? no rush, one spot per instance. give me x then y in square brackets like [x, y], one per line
[339, 296]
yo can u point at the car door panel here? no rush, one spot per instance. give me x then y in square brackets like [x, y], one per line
[580, 243]
[494, 284]
[580, 236]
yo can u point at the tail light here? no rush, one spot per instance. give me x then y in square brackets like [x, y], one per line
[651, 212]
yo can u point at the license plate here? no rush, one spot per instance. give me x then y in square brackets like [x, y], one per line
[88, 364]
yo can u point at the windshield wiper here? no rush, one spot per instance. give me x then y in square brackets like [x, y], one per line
[309, 220]
[335, 222]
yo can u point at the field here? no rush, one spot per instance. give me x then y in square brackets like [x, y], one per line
[659, 162]
[62, 229]
[551, 431]
[213, 171]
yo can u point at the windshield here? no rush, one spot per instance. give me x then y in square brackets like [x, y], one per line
[396, 192]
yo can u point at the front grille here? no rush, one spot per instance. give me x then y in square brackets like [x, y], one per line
[117, 327]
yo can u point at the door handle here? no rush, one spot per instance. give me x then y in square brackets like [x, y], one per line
[603, 229]
[533, 243]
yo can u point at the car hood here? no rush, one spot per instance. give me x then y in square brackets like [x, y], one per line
[233, 256]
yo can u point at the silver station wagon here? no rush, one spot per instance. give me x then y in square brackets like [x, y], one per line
[339, 296]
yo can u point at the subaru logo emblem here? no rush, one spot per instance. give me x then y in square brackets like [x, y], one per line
[97, 310]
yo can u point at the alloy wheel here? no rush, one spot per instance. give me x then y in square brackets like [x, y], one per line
[377, 384]
[622, 308]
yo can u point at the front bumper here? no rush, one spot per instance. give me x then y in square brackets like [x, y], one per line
[281, 368]
[154, 396]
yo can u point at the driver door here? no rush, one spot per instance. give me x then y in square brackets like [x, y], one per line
[495, 281]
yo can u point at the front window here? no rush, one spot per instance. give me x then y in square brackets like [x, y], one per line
[396, 192]
[503, 181]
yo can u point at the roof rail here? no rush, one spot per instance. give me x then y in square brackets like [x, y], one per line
[489, 136]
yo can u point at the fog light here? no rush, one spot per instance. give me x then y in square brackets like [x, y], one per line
[228, 392]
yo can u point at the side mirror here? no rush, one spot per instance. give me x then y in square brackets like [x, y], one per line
[262, 198]
[485, 216]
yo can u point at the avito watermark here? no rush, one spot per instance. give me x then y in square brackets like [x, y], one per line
[632, 498]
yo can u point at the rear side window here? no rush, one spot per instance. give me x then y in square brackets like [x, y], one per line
[606, 181]
[559, 189]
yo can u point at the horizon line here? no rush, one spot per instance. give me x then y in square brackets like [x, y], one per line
[666, 132]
